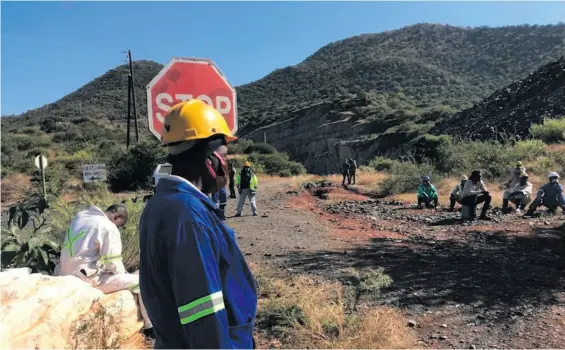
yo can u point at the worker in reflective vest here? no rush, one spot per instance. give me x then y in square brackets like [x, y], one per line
[197, 287]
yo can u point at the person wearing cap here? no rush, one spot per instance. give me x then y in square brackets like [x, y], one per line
[247, 183]
[520, 194]
[515, 177]
[427, 194]
[474, 193]
[352, 171]
[232, 173]
[197, 287]
[549, 195]
[455, 195]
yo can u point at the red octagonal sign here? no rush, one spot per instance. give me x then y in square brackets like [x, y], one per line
[185, 79]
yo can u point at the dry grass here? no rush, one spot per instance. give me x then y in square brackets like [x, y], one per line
[365, 177]
[303, 313]
[15, 187]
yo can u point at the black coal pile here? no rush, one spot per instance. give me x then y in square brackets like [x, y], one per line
[511, 110]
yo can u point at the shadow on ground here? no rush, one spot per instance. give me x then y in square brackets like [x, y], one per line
[489, 269]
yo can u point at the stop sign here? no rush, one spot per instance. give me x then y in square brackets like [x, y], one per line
[186, 79]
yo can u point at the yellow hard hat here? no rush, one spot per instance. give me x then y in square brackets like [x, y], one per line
[523, 175]
[194, 120]
[248, 164]
[464, 178]
[518, 163]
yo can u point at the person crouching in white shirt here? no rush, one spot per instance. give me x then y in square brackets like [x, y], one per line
[474, 192]
[92, 251]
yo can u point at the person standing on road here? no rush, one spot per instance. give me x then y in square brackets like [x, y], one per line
[455, 195]
[246, 182]
[221, 200]
[427, 194]
[200, 291]
[352, 169]
[475, 192]
[345, 172]
[233, 173]
[520, 194]
[92, 251]
[549, 195]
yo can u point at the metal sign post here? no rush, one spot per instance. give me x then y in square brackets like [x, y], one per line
[41, 164]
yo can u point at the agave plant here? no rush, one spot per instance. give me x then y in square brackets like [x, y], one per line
[36, 252]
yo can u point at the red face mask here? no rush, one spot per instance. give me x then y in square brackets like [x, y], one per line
[218, 174]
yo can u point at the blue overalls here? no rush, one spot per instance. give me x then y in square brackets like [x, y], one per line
[196, 285]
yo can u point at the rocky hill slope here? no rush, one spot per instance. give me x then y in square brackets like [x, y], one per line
[433, 63]
[511, 111]
[364, 93]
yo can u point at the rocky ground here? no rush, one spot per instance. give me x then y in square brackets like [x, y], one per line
[498, 284]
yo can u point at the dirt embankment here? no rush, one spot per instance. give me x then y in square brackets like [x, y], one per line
[486, 284]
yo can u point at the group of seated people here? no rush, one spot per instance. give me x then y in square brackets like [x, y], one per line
[518, 190]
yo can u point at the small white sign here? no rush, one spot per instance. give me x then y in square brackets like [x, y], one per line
[94, 173]
[38, 164]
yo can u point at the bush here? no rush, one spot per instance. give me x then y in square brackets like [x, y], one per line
[382, 163]
[405, 178]
[133, 170]
[529, 149]
[551, 131]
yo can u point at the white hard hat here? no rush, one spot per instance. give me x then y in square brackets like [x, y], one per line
[553, 174]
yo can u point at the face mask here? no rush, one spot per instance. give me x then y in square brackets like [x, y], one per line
[220, 173]
[554, 180]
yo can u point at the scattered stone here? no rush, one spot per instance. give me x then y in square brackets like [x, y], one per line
[443, 337]
[444, 325]
[412, 323]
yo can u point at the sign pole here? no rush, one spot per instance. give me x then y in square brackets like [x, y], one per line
[42, 169]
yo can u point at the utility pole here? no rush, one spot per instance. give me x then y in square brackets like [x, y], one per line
[131, 99]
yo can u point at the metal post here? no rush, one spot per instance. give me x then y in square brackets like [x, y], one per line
[42, 169]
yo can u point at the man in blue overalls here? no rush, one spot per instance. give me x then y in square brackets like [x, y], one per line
[196, 285]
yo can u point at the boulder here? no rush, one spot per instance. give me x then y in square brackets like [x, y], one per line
[40, 311]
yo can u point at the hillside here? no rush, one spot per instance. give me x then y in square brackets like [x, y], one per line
[359, 95]
[512, 109]
[433, 63]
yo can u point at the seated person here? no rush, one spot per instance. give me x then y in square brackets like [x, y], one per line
[520, 194]
[456, 193]
[427, 194]
[475, 192]
[549, 195]
[92, 251]
[518, 170]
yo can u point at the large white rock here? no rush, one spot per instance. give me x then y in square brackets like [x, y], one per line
[40, 312]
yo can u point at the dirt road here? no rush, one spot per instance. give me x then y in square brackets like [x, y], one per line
[498, 285]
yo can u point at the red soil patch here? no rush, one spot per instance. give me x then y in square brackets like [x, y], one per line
[342, 226]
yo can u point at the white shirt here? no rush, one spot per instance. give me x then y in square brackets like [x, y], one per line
[471, 189]
[93, 244]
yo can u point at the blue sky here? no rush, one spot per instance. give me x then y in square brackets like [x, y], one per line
[51, 49]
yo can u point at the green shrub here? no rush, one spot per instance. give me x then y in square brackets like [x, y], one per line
[382, 163]
[133, 170]
[551, 131]
[239, 146]
[528, 149]
[405, 178]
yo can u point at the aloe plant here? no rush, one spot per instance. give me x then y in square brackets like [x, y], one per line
[38, 253]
